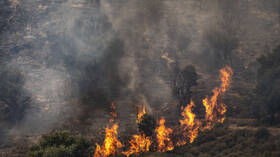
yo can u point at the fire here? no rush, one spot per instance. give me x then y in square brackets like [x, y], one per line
[216, 111]
[189, 123]
[163, 140]
[138, 144]
[111, 143]
[141, 113]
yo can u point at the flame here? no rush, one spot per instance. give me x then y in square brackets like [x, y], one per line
[189, 123]
[141, 113]
[138, 144]
[216, 111]
[111, 143]
[163, 140]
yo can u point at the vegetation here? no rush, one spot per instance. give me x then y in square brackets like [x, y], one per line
[105, 56]
[267, 107]
[147, 125]
[183, 81]
[223, 142]
[219, 142]
[61, 144]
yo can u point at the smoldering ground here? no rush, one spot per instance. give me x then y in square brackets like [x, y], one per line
[74, 58]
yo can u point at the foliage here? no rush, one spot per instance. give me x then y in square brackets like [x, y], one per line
[267, 106]
[183, 81]
[147, 125]
[239, 143]
[61, 144]
[233, 143]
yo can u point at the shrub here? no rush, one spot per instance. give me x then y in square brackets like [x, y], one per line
[61, 144]
[147, 125]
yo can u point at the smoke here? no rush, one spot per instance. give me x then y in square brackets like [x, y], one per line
[76, 57]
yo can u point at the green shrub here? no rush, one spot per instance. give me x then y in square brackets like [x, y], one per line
[61, 144]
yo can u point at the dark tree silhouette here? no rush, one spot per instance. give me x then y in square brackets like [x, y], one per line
[182, 83]
[268, 88]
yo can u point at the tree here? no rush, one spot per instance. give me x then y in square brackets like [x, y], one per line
[182, 83]
[268, 88]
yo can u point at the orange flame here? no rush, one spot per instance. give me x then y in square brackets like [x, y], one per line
[189, 124]
[111, 142]
[141, 113]
[138, 144]
[214, 110]
[164, 142]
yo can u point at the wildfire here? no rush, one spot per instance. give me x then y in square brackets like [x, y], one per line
[111, 143]
[141, 113]
[163, 140]
[189, 123]
[216, 111]
[138, 144]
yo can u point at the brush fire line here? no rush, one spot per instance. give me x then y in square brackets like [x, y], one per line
[189, 124]
[111, 143]
[163, 139]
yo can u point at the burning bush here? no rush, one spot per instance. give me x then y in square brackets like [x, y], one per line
[61, 144]
[147, 125]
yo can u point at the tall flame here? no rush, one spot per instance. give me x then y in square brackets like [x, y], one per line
[189, 123]
[138, 144]
[163, 140]
[111, 143]
[141, 113]
[216, 111]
